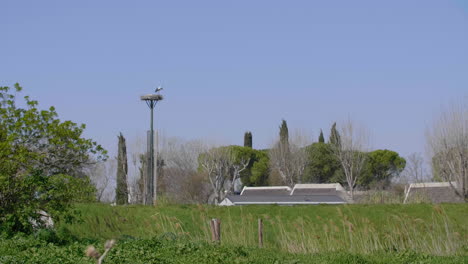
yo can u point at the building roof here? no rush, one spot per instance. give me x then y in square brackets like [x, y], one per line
[266, 191]
[435, 192]
[318, 186]
[288, 199]
[431, 184]
[332, 193]
[317, 189]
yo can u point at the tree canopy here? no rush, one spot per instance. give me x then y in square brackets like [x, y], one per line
[284, 133]
[47, 144]
[42, 158]
[323, 167]
[381, 166]
[321, 139]
[335, 138]
[257, 171]
[248, 139]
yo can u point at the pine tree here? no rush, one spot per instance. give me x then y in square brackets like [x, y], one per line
[248, 139]
[321, 139]
[121, 191]
[335, 139]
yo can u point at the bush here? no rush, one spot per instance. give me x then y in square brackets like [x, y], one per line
[36, 193]
[59, 236]
[42, 161]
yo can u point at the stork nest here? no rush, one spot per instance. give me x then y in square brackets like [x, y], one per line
[151, 97]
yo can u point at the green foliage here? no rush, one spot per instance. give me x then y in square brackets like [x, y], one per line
[41, 140]
[248, 139]
[37, 152]
[59, 236]
[284, 133]
[257, 171]
[321, 139]
[381, 166]
[178, 250]
[323, 167]
[121, 191]
[25, 195]
[335, 138]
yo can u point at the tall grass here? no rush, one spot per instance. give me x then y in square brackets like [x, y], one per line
[359, 235]
[354, 229]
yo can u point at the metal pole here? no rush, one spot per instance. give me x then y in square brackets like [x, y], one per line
[156, 158]
[153, 195]
[147, 195]
[150, 179]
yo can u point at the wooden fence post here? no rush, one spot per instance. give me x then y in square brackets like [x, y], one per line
[215, 225]
[260, 232]
[213, 229]
[218, 230]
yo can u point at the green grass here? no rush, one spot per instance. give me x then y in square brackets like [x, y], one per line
[417, 233]
[169, 250]
[354, 229]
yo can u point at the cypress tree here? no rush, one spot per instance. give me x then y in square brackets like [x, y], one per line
[284, 134]
[321, 139]
[248, 139]
[121, 191]
[335, 138]
[141, 180]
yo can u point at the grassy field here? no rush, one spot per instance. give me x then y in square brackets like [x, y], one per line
[417, 233]
[169, 250]
[422, 228]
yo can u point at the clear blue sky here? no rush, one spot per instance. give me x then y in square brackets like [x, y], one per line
[232, 66]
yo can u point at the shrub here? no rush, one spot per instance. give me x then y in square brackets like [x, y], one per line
[42, 164]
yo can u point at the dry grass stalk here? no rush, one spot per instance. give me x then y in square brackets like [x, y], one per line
[92, 252]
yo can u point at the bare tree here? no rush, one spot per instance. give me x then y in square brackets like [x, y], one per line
[217, 163]
[351, 151]
[134, 191]
[448, 143]
[181, 181]
[289, 158]
[414, 169]
[240, 164]
[102, 176]
[223, 169]
[137, 169]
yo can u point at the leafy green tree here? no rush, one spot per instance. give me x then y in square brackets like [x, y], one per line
[335, 138]
[121, 191]
[321, 139]
[381, 166]
[42, 163]
[284, 133]
[259, 171]
[52, 146]
[248, 139]
[256, 173]
[323, 167]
